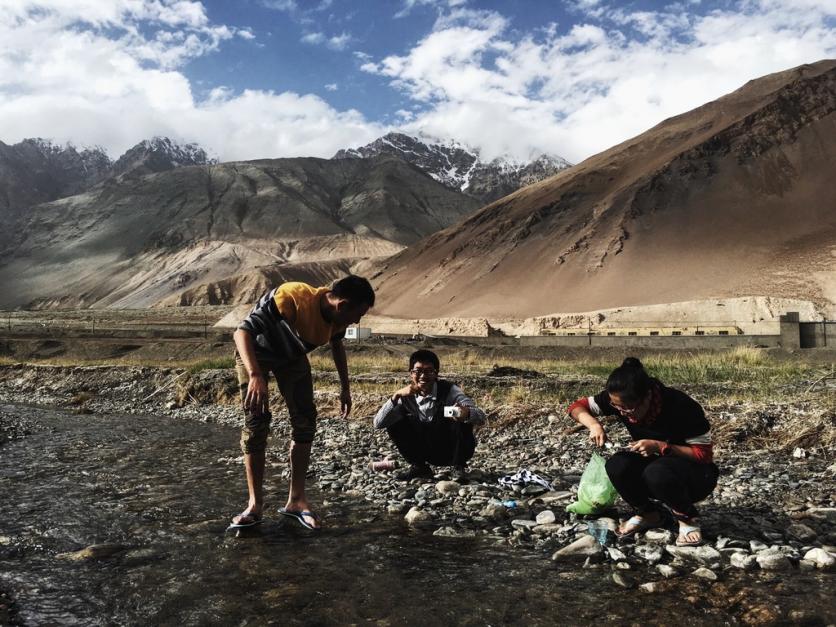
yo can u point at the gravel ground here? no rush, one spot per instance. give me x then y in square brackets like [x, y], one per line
[772, 510]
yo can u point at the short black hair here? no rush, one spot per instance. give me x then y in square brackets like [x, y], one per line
[424, 356]
[630, 381]
[354, 289]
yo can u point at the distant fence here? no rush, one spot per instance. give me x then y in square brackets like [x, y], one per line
[789, 332]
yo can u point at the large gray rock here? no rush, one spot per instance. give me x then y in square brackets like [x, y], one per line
[580, 549]
[493, 511]
[662, 536]
[418, 517]
[667, 571]
[743, 561]
[652, 553]
[452, 532]
[773, 560]
[821, 558]
[705, 573]
[705, 555]
[447, 487]
[801, 532]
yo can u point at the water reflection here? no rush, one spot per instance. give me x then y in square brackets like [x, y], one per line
[163, 492]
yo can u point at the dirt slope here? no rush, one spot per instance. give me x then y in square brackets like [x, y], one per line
[734, 198]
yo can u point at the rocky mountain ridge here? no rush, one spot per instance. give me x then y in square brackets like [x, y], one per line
[461, 168]
[731, 199]
[220, 233]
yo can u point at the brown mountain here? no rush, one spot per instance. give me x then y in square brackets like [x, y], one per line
[733, 198]
[220, 233]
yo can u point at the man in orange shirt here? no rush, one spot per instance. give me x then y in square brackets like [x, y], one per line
[287, 323]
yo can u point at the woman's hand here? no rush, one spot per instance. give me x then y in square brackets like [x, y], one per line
[646, 448]
[597, 435]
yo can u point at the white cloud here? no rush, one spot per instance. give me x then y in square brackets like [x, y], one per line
[288, 6]
[408, 5]
[613, 75]
[331, 87]
[107, 73]
[339, 42]
[336, 42]
[313, 38]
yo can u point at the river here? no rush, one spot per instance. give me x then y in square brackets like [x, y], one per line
[161, 491]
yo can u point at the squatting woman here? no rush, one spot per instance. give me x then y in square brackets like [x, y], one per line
[670, 459]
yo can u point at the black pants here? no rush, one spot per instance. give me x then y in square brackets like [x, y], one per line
[675, 481]
[447, 444]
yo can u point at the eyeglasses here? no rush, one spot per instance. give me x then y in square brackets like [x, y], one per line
[624, 410]
[427, 372]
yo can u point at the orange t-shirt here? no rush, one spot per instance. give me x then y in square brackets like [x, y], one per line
[299, 304]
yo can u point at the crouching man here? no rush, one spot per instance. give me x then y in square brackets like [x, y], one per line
[415, 419]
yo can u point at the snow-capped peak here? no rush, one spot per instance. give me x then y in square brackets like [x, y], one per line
[460, 167]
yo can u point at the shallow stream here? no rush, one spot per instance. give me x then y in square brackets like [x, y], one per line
[161, 493]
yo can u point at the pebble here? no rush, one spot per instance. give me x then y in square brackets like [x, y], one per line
[821, 558]
[581, 548]
[451, 532]
[523, 523]
[615, 554]
[447, 487]
[756, 546]
[705, 573]
[650, 586]
[648, 552]
[705, 555]
[801, 532]
[546, 517]
[744, 561]
[768, 560]
[493, 511]
[552, 497]
[547, 530]
[667, 571]
[418, 517]
[662, 536]
[625, 581]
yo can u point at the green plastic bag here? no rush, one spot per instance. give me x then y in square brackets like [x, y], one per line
[595, 492]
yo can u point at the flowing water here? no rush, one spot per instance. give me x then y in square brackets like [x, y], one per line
[160, 492]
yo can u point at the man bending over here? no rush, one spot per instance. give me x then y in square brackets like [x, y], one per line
[286, 324]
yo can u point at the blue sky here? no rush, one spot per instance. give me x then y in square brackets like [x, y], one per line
[273, 78]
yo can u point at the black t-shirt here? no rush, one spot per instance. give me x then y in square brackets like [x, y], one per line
[681, 419]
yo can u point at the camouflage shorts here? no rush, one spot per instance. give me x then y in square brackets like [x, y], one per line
[296, 386]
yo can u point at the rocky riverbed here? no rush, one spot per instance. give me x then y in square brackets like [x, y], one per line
[772, 514]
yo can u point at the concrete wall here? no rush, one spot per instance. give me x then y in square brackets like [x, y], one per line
[817, 334]
[655, 341]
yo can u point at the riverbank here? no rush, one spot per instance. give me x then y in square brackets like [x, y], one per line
[773, 508]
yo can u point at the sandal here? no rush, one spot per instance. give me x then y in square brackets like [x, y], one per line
[637, 524]
[245, 519]
[301, 516]
[685, 530]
